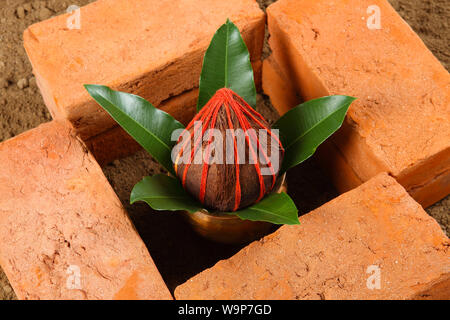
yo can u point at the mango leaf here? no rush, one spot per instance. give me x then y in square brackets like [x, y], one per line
[305, 127]
[276, 208]
[150, 127]
[227, 65]
[162, 192]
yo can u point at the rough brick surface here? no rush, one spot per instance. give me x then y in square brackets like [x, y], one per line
[401, 121]
[275, 84]
[58, 210]
[153, 48]
[328, 255]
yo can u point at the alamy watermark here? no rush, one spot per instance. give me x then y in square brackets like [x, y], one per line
[74, 20]
[374, 20]
[73, 281]
[374, 280]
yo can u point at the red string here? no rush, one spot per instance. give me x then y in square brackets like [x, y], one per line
[204, 125]
[227, 99]
[237, 194]
[237, 110]
[202, 115]
[206, 163]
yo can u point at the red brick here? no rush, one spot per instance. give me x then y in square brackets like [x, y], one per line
[336, 167]
[275, 84]
[401, 121]
[283, 97]
[327, 256]
[153, 48]
[59, 210]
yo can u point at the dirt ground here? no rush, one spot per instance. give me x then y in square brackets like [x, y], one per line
[178, 253]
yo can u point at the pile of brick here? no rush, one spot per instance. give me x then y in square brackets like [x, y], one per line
[400, 123]
[64, 233]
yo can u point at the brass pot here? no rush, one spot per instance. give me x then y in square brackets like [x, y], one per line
[230, 229]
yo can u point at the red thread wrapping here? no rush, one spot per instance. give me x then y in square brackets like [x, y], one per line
[230, 101]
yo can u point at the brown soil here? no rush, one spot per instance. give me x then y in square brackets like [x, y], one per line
[177, 251]
[22, 108]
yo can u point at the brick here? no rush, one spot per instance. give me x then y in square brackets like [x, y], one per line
[151, 48]
[275, 84]
[58, 210]
[328, 255]
[283, 97]
[401, 121]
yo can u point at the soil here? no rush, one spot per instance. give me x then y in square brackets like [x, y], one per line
[178, 253]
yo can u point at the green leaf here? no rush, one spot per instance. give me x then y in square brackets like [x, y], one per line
[276, 208]
[305, 127]
[227, 65]
[162, 192]
[150, 127]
